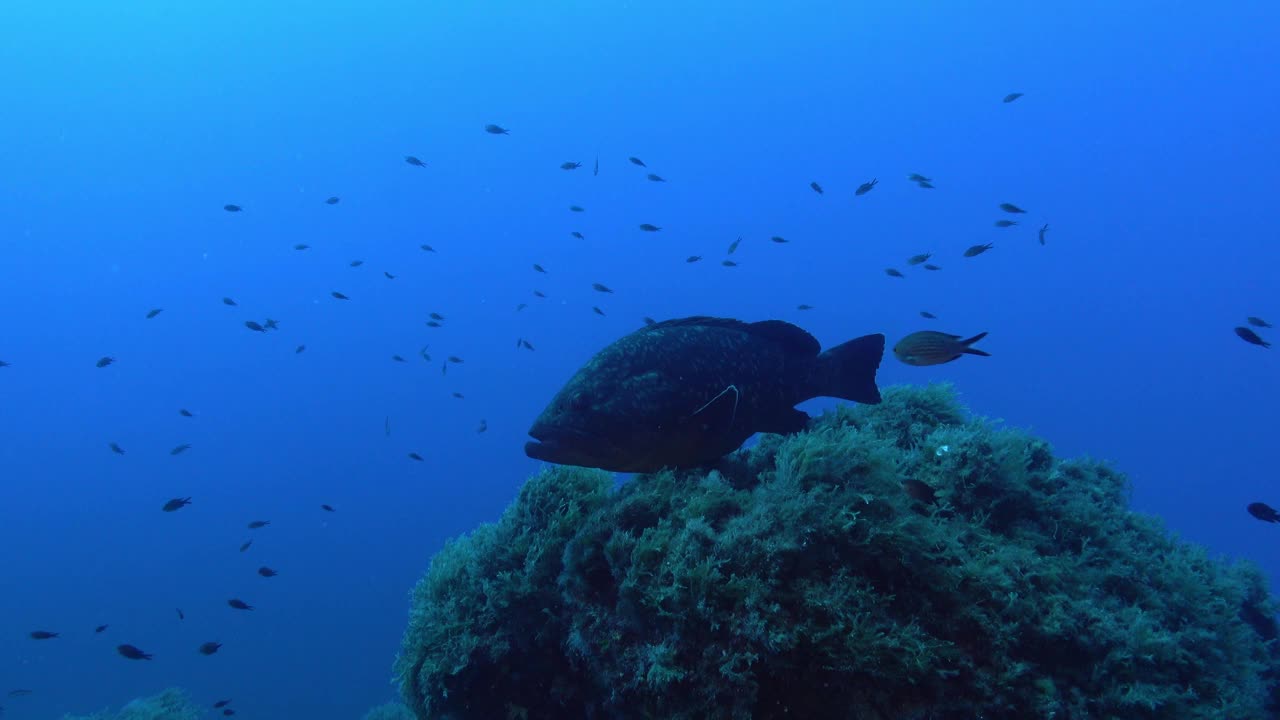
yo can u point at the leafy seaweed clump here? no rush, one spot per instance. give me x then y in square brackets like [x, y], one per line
[172, 704]
[895, 561]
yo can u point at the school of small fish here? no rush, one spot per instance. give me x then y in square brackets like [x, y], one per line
[725, 419]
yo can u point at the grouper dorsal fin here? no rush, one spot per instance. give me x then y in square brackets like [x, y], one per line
[795, 340]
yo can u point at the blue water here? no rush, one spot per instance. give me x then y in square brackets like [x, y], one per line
[1145, 139]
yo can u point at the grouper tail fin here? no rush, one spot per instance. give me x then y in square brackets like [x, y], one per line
[848, 371]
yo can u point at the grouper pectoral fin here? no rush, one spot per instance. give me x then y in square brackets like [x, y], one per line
[787, 422]
[718, 414]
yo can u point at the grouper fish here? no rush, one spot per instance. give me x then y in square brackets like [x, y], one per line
[684, 393]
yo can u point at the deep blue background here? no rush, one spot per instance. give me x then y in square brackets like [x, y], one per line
[1146, 139]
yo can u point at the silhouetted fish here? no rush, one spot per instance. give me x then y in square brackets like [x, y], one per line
[929, 347]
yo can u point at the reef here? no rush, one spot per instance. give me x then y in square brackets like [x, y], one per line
[893, 562]
[172, 704]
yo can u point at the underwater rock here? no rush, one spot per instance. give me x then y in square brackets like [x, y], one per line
[895, 561]
[172, 704]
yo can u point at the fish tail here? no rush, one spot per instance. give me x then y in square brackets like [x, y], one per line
[848, 371]
[972, 340]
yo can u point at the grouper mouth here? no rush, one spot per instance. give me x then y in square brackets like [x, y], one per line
[567, 446]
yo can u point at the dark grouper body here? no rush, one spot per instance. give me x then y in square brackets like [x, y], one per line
[683, 393]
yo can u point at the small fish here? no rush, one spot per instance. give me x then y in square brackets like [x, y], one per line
[496, 130]
[388, 275]
[685, 392]
[434, 323]
[267, 572]
[919, 259]
[239, 604]
[104, 361]
[229, 302]
[802, 306]
[132, 652]
[414, 161]
[270, 324]
[20, 692]
[894, 272]
[176, 504]
[423, 353]
[1011, 208]
[1251, 337]
[416, 456]
[1263, 512]
[918, 178]
[302, 246]
[332, 200]
[778, 239]
[595, 169]
[339, 296]
[386, 426]
[254, 326]
[930, 266]
[570, 165]
[327, 508]
[728, 263]
[600, 288]
[1011, 97]
[255, 524]
[221, 704]
[426, 248]
[693, 258]
[482, 427]
[245, 545]
[459, 396]
[733, 246]
[596, 309]
[578, 235]
[397, 358]
[929, 347]
[355, 263]
[928, 315]
[43, 635]
[209, 648]
[521, 306]
[228, 712]
[919, 491]
[925, 184]
[636, 161]
[180, 449]
[1043, 229]
[649, 228]
[816, 187]
[539, 268]
[577, 208]
[865, 187]
[232, 208]
[526, 344]
[101, 628]
[300, 349]
[976, 250]
[154, 312]
[455, 359]
[655, 178]
[1005, 223]
[115, 448]
[181, 616]
[1258, 322]
[539, 293]
[4, 364]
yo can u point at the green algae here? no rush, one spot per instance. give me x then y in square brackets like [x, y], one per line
[802, 579]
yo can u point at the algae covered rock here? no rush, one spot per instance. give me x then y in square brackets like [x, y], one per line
[172, 704]
[894, 561]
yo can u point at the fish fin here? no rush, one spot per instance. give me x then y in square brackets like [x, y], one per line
[794, 339]
[972, 340]
[788, 422]
[718, 414]
[848, 371]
